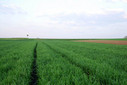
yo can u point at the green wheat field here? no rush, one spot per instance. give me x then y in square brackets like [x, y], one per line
[61, 62]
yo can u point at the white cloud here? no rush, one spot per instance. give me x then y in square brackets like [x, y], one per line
[68, 7]
[124, 0]
[119, 0]
[11, 9]
[125, 15]
[64, 18]
[115, 10]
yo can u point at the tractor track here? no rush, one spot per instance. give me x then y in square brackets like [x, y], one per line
[84, 70]
[34, 76]
[70, 61]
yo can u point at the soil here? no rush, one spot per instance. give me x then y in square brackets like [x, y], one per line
[105, 41]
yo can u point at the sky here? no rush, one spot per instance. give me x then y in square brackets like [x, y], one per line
[63, 18]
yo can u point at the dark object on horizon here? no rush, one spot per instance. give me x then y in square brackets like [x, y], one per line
[27, 35]
[125, 37]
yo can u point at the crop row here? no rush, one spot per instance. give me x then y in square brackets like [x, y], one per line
[54, 69]
[102, 73]
[15, 64]
[113, 55]
[55, 62]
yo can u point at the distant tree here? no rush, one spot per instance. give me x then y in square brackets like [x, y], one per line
[125, 37]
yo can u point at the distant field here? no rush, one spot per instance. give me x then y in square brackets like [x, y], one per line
[122, 39]
[61, 62]
[59, 39]
[13, 38]
[118, 42]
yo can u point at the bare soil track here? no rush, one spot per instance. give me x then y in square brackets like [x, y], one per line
[105, 41]
[34, 76]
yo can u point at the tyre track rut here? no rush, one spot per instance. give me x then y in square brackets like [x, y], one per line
[70, 61]
[34, 76]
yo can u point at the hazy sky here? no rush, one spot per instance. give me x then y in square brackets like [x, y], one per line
[63, 18]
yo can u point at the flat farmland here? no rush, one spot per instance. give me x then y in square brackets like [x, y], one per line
[62, 62]
[118, 42]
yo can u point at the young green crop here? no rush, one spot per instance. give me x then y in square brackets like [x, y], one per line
[102, 72]
[60, 62]
[15, 63]
[53, 69]
[113, 55]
